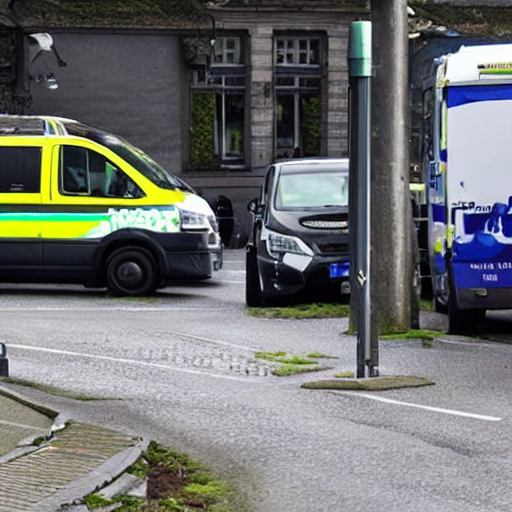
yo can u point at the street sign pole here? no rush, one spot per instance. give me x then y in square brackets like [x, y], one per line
[360, 72]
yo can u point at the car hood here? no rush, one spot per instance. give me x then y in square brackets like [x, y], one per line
[324, 232]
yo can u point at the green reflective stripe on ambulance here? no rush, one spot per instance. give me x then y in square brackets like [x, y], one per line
[53, 217]
[88, 225]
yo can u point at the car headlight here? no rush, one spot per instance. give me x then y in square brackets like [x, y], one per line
[193, 221]
[279, 244]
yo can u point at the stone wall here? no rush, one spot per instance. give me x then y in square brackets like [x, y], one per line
[133, 85]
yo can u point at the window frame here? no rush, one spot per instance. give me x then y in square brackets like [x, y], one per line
[225, 79]
[296, 51]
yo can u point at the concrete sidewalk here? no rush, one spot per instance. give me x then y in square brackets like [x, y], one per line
[48, 467]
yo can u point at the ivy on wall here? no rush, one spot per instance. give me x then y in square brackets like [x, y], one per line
[201, 127]
[311, 125]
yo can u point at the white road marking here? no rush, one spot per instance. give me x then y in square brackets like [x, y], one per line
[418, 406]
[127, 361]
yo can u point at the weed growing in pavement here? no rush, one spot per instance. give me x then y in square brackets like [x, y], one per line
[426, 305]
[175, 483]
[285, 364]
[427, 337]
[318, 355]
[292, 369]
[345, 375]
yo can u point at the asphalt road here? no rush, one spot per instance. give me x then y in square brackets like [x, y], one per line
[180, 368]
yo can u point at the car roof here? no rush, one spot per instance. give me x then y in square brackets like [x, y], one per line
[312, 161]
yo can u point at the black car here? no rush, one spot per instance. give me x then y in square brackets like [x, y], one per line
[299, 240]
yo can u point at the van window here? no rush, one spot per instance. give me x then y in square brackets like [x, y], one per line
[131, 154]
[86, 172]
[20, 169]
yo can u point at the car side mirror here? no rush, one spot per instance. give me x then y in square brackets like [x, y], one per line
[253, 205]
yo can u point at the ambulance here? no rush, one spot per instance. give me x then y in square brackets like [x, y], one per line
[467, 171]
[81, 205]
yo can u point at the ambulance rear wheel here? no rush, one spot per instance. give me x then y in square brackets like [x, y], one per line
[131, 272]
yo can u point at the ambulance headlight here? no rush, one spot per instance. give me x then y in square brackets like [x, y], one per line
[194, 221]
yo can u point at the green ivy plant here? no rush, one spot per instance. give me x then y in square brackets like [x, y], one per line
[201, 126]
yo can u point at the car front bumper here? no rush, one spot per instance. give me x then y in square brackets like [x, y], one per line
[293, 274]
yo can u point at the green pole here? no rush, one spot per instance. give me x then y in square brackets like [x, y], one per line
[360, 72]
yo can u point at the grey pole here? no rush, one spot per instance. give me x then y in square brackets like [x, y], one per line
[391, 211]
[360, 72]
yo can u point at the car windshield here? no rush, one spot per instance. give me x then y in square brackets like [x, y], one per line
[131, 154]
[302, 187]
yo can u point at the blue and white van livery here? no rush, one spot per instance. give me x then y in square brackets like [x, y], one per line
[467, 165]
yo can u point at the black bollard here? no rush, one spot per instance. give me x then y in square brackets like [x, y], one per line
[4, 363]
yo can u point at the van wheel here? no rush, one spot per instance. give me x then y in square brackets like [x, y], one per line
[130, 272]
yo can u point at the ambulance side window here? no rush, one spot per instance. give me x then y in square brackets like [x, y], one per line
[86, 172]
[20, 169]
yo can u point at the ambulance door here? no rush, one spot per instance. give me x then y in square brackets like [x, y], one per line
[85, 188]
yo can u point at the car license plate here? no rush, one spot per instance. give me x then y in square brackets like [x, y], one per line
[339, 270]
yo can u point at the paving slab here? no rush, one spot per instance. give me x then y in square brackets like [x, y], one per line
[19, 420]
[64, 467]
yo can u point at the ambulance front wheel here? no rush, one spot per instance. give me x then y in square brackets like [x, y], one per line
[131, 272]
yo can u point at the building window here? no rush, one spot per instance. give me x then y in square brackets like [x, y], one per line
[218, 108]
[298, 79]
[295, 51]
[227, 51]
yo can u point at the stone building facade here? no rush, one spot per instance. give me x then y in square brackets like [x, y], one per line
[213, 90]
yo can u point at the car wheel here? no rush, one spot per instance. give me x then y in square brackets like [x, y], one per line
[253, 294]
[131, 272]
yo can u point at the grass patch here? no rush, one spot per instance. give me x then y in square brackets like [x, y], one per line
[318, 355]
[416, 334]
[426, 305]
[285, 364]
[303, 311]
[281, 357]
[96, 501]
[51, 390]
[175, 484]
[345, 375]
[291, 369]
